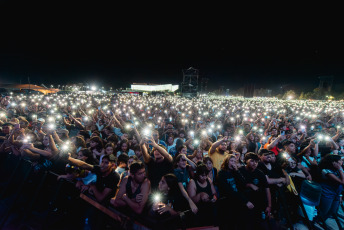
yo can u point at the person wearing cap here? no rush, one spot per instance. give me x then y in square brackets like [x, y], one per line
[274, 175]
[6, 129]
[41, 120]
[288, 153]
[256, 190]
[276, 178]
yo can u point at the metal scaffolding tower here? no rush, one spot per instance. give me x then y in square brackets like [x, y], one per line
[189, 86]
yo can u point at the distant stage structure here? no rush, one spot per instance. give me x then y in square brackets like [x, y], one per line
[189, 86]
[145, 87]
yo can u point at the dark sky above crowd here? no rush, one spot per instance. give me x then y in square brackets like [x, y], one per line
[108, 47]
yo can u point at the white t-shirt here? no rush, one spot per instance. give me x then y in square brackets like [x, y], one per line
[170, 147]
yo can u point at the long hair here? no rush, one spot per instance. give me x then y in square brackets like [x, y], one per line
[98, 140]
[80, 142]
[201, 169]
[224, 165]
[88, 153]
[176, 160]
[172, 183]
[327, 162]
[124, 141]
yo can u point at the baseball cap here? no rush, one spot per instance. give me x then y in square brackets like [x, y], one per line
[41, 120]
[264, 152]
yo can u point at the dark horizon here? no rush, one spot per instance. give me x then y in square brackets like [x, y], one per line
[97, 50]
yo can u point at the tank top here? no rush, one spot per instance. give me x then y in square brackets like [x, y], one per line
[129, 192]
[206, 189]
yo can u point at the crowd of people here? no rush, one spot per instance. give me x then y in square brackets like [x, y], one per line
[209, 161]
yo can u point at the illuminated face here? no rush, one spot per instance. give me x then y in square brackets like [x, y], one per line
[292, 164]
[209, 165]
[233, 145]
[252, 164]
[124, 147]
[308, 152]
[93, 144]
[156, 136]
[273, 158]
[134, 141]
[274, 132]
[223, 146]
[6, 129]
[157, 155]
[266, 158]
[202, 178]
[81, 156]
[182, 163]
[22, 124]
[232, 162]
[291, 148]
[140, 175]
[109, 150]
[130, 161]
[46, 141]
[138, 153]
[170, 140]
[183, 151]
[105, 165]
[163, 187]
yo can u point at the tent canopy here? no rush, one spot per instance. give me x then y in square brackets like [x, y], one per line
[29, 86]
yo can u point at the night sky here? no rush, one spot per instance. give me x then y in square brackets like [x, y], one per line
[106, 46]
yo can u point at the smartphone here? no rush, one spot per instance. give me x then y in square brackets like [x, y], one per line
[17, 126]
[283, 133]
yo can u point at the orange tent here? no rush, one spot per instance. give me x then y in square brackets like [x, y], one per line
[30, 86]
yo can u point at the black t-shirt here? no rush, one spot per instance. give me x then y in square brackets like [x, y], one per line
[230, 184]
[109, 181]
[274, 172]
[257, 178]
[157, 170]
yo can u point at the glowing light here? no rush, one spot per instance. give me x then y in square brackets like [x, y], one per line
[157, 198]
